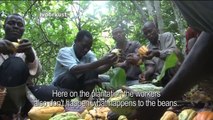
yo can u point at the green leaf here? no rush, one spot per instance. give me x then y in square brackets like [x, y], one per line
[142, 67]
[118, 78]
[170, 62]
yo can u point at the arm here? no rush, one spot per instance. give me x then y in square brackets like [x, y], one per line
[103, 68]
[150, 69]
[121, 64]
[67, 60]
[31, 58]
[87, 66]
[35, 67]
[6, 47]
[100, 65]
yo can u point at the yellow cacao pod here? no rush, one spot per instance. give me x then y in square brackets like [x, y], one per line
[44, 113]
[15, 44]
[169, 115]
[142, 50]
[117, 52]
[122, 117]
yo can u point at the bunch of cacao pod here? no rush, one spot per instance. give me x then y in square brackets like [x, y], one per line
[97, 113]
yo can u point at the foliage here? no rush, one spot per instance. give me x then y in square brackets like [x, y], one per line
[118, 78]
[50, 33]
[125, 15]
[170, 62]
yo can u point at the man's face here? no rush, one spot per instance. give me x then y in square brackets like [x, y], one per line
[83, 46]
[14, 27]
[118, 35]
[151, 34]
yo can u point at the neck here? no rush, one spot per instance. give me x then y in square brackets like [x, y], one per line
[11, 39]
[122, 44]
[156, 41]
[78, 56]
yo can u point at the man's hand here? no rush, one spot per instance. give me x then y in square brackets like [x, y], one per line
[6, 47]
[26, 47]
[142, 78]
[152, 53]
[133, 59]
[110, 58]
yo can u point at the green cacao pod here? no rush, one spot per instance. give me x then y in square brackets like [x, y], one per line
[187, 114]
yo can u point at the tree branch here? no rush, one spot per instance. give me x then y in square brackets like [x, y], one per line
[76, 16]
[139, 10]
[30, 8]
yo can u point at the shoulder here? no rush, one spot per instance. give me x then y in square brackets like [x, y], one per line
[90, 53]
[135, 43]
[65, 49]
[167, 36]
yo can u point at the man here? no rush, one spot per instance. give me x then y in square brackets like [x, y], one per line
[77, 68]
[198, 64]
[18, 64]
[128, 48]
[191, 37]
[160, 46]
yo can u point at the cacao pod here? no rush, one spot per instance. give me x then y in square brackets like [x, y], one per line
[67, 116]
[44, 113]
[204, 115]
[169, 115]
[142, 50]
[187, 114]
[117, 52]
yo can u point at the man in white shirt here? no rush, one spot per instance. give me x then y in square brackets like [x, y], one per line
[77, 67]
[18, 64]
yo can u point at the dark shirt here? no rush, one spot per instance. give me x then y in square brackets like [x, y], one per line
[132, 71]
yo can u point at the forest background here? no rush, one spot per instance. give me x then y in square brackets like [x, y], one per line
[51, 25]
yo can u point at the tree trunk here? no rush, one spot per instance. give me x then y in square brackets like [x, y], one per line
[139, 8]
[159, 21]
[180, 26]
[149, 5]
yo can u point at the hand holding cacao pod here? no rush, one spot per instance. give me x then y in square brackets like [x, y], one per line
[152, 53]
[134, 59]
[110, 58]
[117, 52]
[16, 45]
[7, 47]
